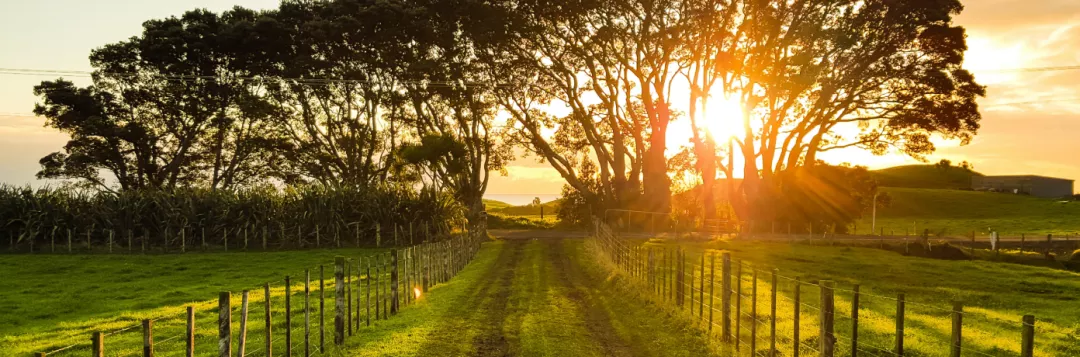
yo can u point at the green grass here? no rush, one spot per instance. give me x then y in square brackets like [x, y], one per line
[995, 297]
[500, 221]
[526, 297]
[924, 176]
[531, 298]
[958, 213]
[52, 301]
[493, 205]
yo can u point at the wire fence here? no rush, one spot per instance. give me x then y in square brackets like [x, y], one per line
[756, 310]
[305, 314]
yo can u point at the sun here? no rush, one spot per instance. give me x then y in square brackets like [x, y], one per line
[723, 118]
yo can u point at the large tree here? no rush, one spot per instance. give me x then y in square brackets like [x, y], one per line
[880, 75]
[167, 108]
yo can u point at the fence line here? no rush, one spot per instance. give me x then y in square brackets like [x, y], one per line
[748, 315]
[389, 287]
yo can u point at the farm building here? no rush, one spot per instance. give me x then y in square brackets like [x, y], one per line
[1038, 186]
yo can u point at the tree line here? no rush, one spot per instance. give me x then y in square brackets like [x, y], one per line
[443, 93]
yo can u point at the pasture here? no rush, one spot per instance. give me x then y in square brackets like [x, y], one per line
[52, 301]
[947, 212]
[995, 296]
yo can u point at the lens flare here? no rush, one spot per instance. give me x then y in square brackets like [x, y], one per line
[416, 292]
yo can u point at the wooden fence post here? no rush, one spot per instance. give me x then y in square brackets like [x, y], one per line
[899, 324]
[384, 267]
[738, 305]
[269, 334]
[797, 311]
[378, 286]
[855, 321]
[957, 326]
[712, 289]
[349, 294]
[191, 332]
[98, 344]
[224, 325]
[753, 312]
[288, 316]
[148, 338]
[725, 296]
[339, 300]
[772, 317]
[1027, 342]
[394, 281]
[701, 290]
[307, 313]
[367, 291]
[827, 338]
[242, 345]
[322, 309]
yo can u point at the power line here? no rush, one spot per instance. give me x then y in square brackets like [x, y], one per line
[1051, 100]
[1029, 69]
[192, 78]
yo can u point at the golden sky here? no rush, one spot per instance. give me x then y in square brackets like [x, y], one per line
[1030, 119]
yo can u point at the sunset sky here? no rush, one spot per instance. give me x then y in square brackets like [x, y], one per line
[1030, 119]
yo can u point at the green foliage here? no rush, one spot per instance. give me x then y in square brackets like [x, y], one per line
[575, 209]
[824, 196]
[291, 217]
[503, 221]
[925, 176]
[549, 208]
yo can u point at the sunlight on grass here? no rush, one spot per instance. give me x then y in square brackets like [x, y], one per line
[992, 306]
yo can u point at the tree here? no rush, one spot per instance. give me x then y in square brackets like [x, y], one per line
[612, 64]
[167, 109]
[812, 72]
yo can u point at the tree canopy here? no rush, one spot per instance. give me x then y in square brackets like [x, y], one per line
[442, 93]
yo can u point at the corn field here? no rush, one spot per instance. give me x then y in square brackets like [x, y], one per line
[67, 220]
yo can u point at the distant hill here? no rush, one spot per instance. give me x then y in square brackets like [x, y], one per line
[957, 212]
[550, 208]
[924, 176]
[495, 205]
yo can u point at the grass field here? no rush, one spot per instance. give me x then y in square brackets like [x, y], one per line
[50, 301]
[958, 213]
[545, 297]
[995, 297]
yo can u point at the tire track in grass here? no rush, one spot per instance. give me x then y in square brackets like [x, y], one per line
[597, 321]
[625, 325]
[483, 308]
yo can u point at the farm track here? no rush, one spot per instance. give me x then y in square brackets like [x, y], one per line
[533, 297]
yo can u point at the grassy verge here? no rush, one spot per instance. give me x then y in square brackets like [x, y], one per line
[995, 296]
